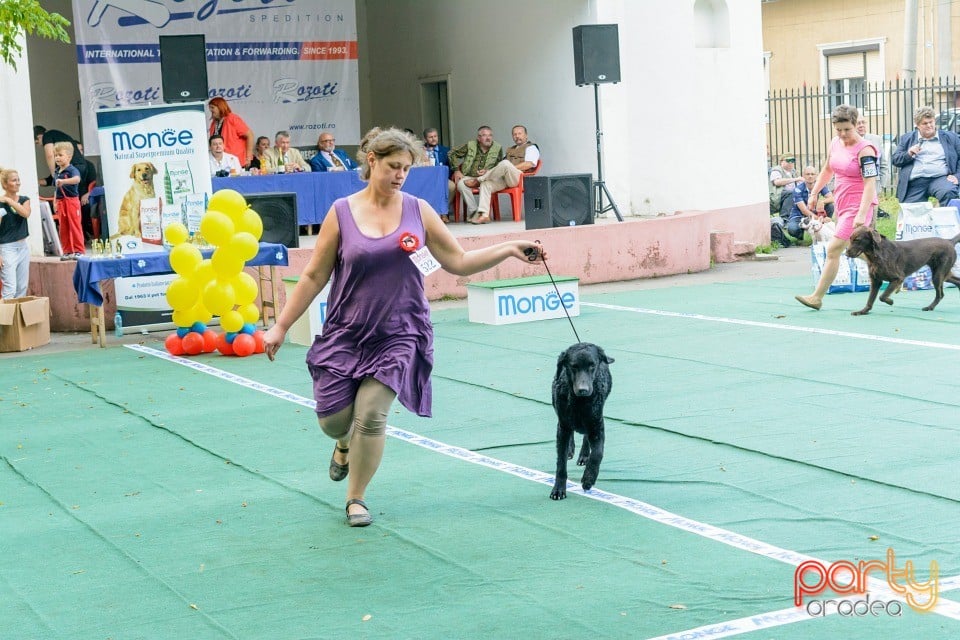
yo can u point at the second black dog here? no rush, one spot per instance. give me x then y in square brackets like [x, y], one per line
[580, 389]
[894, 261]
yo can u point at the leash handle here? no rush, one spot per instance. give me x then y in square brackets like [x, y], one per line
[532, 254]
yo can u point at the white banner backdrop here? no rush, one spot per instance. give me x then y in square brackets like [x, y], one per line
[280, 64]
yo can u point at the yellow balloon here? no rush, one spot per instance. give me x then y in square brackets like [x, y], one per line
[228, 201]
[176, 233]
[251, 222]
[204, 273]
[217, 227]
[250, 313]
[218, 297]
[231, 321]
[245, 287]
[199, 313]
[185, 258]
[182, 318]
[244, 245]
[182, 294]
[226, 263]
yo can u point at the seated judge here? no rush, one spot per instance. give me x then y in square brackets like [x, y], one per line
[328, 157]
[222, 164]
[283, 158]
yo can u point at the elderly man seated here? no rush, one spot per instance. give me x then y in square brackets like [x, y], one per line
[929, 161]
[522, 157]
[328, 157]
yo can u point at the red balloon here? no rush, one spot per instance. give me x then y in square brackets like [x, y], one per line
[223, 346]
[244, 345]
[258, 341]
[174, 345]
[193, 343]
[209, 341]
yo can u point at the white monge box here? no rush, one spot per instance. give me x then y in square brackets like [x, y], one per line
[523, 299]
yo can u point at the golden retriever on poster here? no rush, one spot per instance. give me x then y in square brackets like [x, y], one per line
[142, 188]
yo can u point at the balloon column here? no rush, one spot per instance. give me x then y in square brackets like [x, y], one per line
[217, 285]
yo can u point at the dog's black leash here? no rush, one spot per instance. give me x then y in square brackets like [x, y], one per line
[532, 253]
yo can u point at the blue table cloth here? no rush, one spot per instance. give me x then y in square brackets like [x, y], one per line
[316, 191]
[90, 271]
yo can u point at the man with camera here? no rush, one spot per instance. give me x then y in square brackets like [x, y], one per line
[222, 164]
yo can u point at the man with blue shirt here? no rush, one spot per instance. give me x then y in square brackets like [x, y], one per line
[328, 157]
[929, 161]
[801, 195]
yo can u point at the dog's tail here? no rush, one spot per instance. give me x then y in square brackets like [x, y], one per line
[955, 239]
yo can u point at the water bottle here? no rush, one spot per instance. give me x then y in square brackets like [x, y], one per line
[117, 325]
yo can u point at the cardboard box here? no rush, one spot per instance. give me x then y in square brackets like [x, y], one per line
[523, 299]
[24, 323]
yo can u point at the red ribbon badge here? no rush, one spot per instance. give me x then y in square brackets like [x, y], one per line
[409, 242]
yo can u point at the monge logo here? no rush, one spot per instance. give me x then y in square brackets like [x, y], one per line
[509, 305]
[126, 141]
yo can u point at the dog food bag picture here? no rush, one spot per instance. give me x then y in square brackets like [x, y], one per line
[177, 181]
[151, 230]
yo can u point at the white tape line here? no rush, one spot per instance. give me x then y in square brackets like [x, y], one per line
[773, 325]
[632, 505]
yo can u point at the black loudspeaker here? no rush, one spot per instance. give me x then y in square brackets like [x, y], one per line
[558, 201]
[183, 68]
[279, 214]
[596, 53]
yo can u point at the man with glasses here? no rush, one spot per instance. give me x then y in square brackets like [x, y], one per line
[328, 157]
[783, 179]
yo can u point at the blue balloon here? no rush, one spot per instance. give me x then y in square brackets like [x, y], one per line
[249, 328]
[199, 327]
[230, 336]
[182, 331]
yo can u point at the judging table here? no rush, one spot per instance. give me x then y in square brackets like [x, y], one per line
[316, 191]
[91, 271]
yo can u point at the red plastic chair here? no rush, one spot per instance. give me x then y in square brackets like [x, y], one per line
[516, 196]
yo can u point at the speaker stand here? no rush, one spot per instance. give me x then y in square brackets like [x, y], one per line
[599, 186]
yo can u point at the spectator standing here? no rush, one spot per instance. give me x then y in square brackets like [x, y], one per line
[853, 161]
[328, 157]
[67, 202]
[88, 170]
[284, 158]
[522, 157]
[472, 160]
[14, 252]
[377, 341]
[929, 161]
[237, 137]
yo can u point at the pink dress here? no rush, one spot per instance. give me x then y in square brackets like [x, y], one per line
[848, 184]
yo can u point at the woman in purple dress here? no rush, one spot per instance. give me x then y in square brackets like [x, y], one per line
[853, 161]
[377, 341]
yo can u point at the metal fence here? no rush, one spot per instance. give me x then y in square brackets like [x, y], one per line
[798, 120]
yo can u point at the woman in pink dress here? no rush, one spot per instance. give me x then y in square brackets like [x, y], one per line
[853, 161]
[377, 340]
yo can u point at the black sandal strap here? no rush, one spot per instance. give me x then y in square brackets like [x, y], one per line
[341, 450]
[356, 501]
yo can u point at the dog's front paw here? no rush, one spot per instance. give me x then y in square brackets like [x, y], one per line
[862, 312]
[589, 479]
[559, 492]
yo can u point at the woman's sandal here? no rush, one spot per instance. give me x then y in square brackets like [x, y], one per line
[358, 519]
[339, 471]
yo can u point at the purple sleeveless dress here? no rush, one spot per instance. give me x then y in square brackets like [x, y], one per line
[378, 319]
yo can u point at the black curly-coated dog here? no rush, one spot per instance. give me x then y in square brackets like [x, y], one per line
[580, 388]
[894, 261]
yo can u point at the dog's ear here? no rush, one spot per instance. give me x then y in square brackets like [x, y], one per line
[875, 237]
[561, 361]
[153, 169]
[604, 357]
[133, 171]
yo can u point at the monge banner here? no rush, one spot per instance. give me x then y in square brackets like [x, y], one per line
[280, 64]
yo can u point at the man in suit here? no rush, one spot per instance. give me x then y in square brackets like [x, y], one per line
[929, 161]
[285, 156]
[437, 156]
[328, 157]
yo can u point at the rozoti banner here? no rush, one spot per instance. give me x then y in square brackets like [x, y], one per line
[280, 64]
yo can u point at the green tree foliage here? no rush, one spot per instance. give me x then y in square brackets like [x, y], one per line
[30, 17]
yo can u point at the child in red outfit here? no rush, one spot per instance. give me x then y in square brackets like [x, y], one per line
[68, 202]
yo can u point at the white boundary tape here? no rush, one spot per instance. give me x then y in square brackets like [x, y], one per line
[773, 325]
[948, 608]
